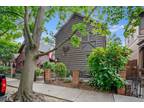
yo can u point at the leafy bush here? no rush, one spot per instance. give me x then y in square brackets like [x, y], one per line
[49, 65]
[39, 72]
[105, 63]
[61, 70]
[68, 73]
[4, 69]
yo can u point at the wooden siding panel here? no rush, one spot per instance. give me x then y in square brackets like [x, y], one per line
[76, 58]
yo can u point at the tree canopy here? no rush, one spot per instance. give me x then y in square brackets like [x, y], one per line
[7, 50]
[12, 19]
[29, 23]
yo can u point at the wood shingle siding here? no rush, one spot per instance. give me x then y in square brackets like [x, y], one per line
[76, 58]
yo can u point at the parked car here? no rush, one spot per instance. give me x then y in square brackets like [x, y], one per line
[2, 84]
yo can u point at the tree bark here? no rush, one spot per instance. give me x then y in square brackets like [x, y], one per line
[25, 90]
[27, 76]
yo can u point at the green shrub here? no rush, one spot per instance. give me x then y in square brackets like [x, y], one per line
[4, 69]
[104, 65]
[49, 65]
[68, 73]
[61, 70]
[39, 72]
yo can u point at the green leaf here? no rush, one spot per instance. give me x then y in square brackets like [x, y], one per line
[75, 41]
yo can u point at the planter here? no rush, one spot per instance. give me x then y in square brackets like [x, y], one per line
[39, 78]
[53, 75]
[47, 75]
[75, 78]
[122, 91]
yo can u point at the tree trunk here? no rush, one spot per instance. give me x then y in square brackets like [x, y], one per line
[32, 40]
[28, 69]
[27, 75]
[25, 90]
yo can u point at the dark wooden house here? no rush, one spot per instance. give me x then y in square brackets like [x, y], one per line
[76, 58]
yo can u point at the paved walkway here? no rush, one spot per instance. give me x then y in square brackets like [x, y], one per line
[76, 95]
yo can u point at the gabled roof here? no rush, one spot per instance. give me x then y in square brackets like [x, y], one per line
[72, 16]
[44, 47]
[67, 22]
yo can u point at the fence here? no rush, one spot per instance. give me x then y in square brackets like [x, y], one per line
[133, 79]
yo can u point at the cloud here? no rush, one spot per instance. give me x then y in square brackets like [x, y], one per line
[116, 28]
[19, 40]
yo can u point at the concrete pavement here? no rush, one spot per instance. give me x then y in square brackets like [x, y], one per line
[75, 95]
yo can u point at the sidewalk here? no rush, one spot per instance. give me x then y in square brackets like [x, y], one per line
[75, 95]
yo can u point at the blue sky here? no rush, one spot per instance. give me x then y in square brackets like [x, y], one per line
[51, 25]
[115, 29]
[119, 30]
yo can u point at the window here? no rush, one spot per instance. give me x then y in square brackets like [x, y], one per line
[65, 49]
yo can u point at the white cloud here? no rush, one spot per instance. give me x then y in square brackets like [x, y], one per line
[115, 28]
[19, 40]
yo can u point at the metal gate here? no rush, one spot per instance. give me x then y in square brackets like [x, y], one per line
[134, 78]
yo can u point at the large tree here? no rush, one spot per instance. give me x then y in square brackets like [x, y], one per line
[29, 22]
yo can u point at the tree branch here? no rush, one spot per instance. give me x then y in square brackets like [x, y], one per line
[27, 33]
[26, 19]
[91, 44]
[38, 25]
[74, 32]
[1, 34]
[11, 12]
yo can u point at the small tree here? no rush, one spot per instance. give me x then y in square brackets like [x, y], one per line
[61, 70]
[49, 65]
[39, 71]
[105, 63]
[4, 69]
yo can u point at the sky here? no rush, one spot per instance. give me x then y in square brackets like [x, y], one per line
[115, 29]
[119, 30]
